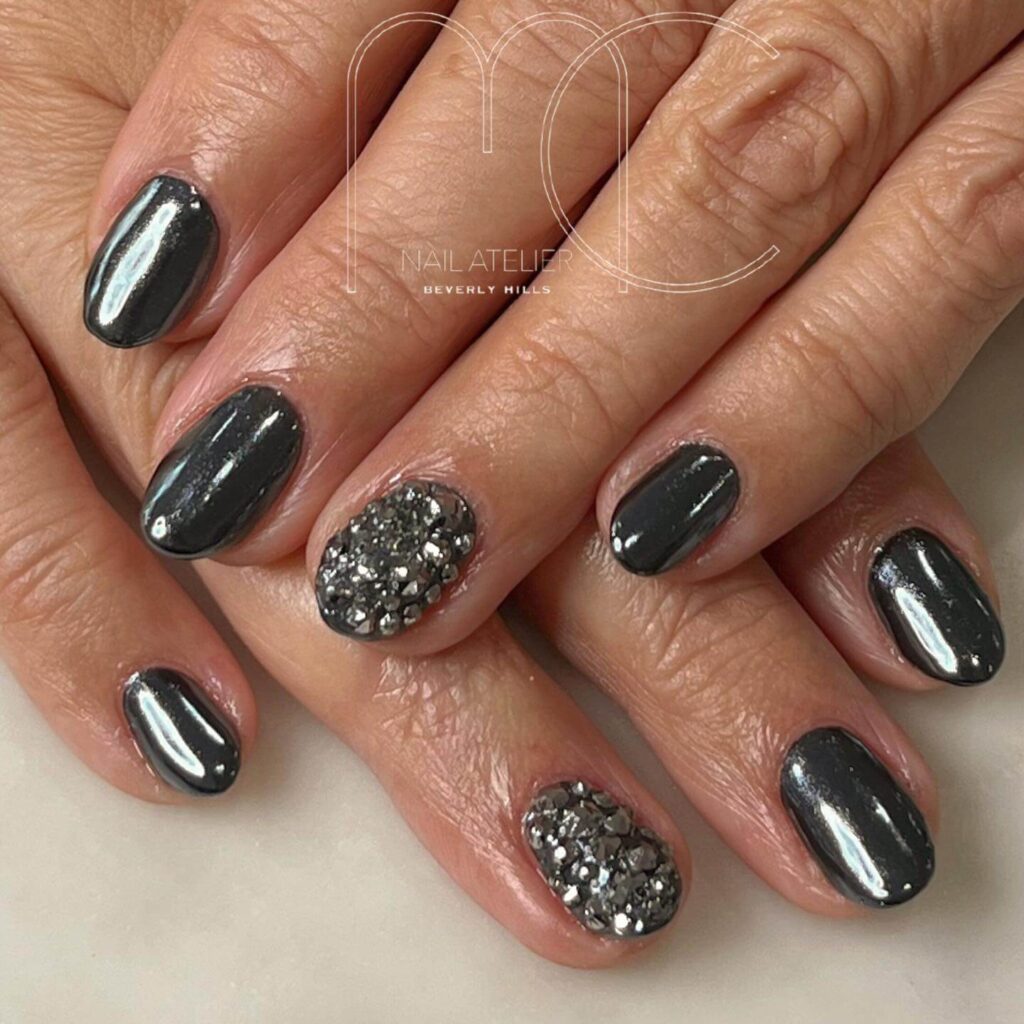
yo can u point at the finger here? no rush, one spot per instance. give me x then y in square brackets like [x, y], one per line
[897, 578]
[757, 719]
[464, 744]
[525, 425]
[239, 135]
[858, 352]
[424, 188]
[123, 665]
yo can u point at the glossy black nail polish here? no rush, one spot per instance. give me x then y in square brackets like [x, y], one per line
[152, 265]
[940, 617]
[868, 835]
[674, 509]
[187, 743]
[213, 486]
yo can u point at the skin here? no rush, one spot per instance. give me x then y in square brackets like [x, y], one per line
[787, 147]
[721, 676]
[85, 604]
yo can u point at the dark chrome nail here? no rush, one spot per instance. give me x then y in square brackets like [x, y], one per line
[617, 878]
[187, 743]
[152, 265]
[391, 563]
[213, 486]
[868, 835]
[674, 509]
[939, 615]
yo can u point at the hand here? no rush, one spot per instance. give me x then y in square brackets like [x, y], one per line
[758, 147]
[723, 677]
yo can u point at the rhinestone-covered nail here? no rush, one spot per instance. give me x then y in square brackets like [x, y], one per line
[393, 561]
[617, 878]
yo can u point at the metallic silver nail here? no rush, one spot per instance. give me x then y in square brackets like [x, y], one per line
[211, 489]
[153, 265]
[393, 561]
[617, 878]
[936, 610]
[188, 743]
[867, 834]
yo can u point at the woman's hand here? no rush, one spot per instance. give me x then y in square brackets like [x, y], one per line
[752, 154]
[730, 680]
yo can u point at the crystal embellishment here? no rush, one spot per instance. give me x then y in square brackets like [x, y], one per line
[393, 561]
[617, 878]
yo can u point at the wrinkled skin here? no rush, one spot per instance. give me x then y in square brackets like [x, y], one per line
[720, 676]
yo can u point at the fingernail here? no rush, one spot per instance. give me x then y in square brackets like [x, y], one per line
[219, 479]
[394, 560]
[674, 509]
[866, 833]
[615, 877]
[152, 265]
[938, 614]
[187, 743]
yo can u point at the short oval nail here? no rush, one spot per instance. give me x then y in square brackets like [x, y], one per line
[941, 619]
[153, 264]
[212, 488]
[394, 560]
[866, 833]
[186, 742]
[617, 878]
[674, 509]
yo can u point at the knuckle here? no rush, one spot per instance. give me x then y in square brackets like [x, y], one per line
[84, 51]
[384, 304]
[577, 383]
[443, 702]
[701, 645]
[857, 388]
[785, 137]
[267, 51]
[969, 212]
[49, 557]
[654, 55]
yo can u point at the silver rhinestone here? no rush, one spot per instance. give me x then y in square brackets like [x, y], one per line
[389, 624]
[393, 560]
[616, 878]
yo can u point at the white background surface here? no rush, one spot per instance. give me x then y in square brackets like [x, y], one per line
[302, 899]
